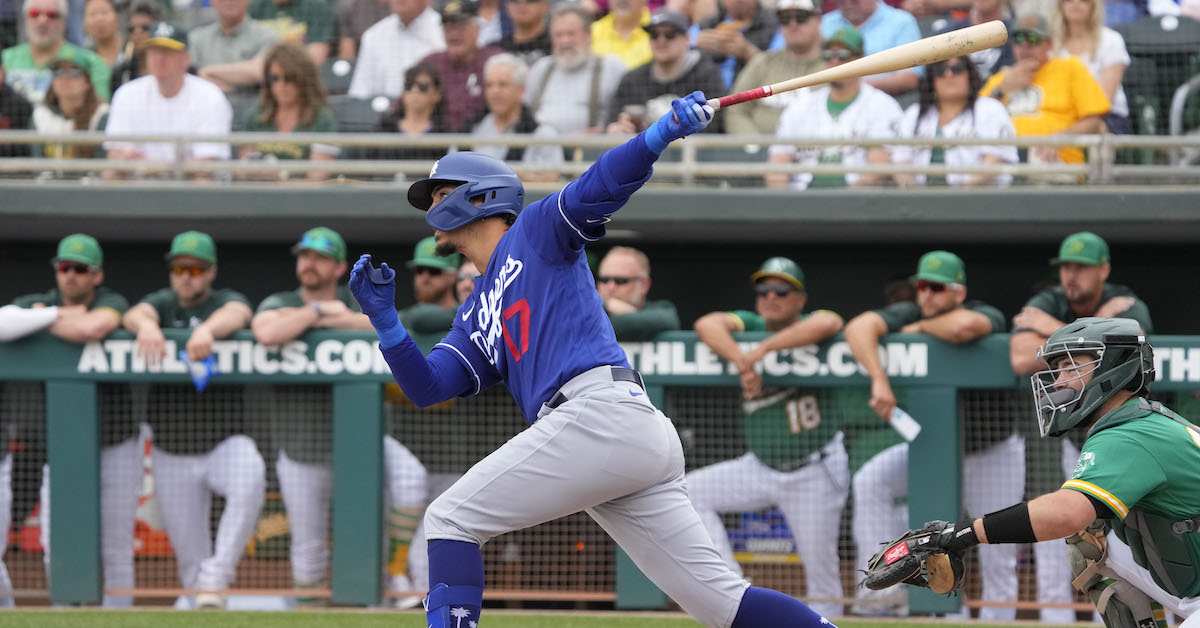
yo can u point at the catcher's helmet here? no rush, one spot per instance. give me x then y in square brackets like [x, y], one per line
[480, 175]
[1112, 350]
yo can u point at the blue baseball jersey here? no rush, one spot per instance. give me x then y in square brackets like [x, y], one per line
[535, 320]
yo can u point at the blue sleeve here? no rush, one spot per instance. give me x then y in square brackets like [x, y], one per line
[426, 381]
[561, 224]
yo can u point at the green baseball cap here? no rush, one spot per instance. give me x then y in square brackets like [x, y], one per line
[781, 268]
[323, 240]
[169, 36]
[425, 254]
[195, 244]
[1084, 247]
[941, 267]
[80, 247]
[73, 56]
[847, 36]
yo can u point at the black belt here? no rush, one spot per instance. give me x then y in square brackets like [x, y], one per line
[619, 374]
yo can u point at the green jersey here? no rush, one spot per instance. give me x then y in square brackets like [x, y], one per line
[306, 21]
[783, 426]
[654, 318]
[324, 122]
[33, 81]
[301, 417]
[426, 318]
[185, 422]
[1053, 301]
[104, 298]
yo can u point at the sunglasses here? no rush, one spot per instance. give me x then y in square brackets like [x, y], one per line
[620, 281]
[1032, 39]
[134, 28]
[778, 290]
[799, 17]
[72, 267]
[664, 33]
[953, 69]
[49, 14]
[841, 54]
[931, 286]
[427, 270]
[194, 271]
[273, 78]
[69, 73]
[420, 86]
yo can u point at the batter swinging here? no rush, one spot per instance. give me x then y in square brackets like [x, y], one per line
[535, 322]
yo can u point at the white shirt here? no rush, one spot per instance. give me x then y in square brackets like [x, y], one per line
[544, 155]
[389, 48]
[200, 108]
[872, 115]
[567, 93]
[988, 120]
[1110, 51]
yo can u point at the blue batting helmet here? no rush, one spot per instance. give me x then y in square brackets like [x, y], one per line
[479, 175]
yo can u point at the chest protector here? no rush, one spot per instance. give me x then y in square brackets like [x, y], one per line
[1167, 547]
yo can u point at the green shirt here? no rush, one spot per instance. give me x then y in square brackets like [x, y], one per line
[783, 426]
[185, 422]
[306, 21]
[654, 318]
[324, 122]
[104, 298]
[1053, 301]
[898, 315]
[301, 417]
[32, 81]
[426, 318]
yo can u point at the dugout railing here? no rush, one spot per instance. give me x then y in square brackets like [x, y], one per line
[936, 382]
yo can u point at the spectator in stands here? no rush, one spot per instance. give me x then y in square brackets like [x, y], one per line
[71, 104]
[949, 106]
[572, 89]
[467, 273]
[493, 22]
[1047, 95]
[309, 22]
[80, 309]
[623, 281]
[739, 31]
[392, 45]
[434, 279]
[530, 37]
[943, 312]
[850, 109]
[1084, 265]
[354, 17]
[143, 15]
[622, 33]
[460, 65]
[800, 23]
[200, 441]
[797, 461]
[504, 88]
[882, 27]
[168, 100]
[991, 60]
[1077, 28]
[933, 8]
[292, 101]
[26, 65]
[15, 114]
[230, 51]
[103, 28]
[645, 93]
[418, 112]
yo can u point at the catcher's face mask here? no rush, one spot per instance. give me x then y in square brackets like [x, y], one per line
[1058, 390]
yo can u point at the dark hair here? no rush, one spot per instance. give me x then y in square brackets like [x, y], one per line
[146, 7]
[299, 68]
[393, 117]
[928, 99]
[91, 102]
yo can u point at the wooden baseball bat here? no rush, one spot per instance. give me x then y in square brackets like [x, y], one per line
[923, 51]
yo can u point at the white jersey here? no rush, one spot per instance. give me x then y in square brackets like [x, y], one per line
[200, 108]
[872, 115]
[989, 119]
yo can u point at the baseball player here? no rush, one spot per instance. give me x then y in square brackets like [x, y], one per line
[80, 309]
[536, 323]
[994, 473]
[1139, 473]
[199, 442]
[302, 424]
[797, 460]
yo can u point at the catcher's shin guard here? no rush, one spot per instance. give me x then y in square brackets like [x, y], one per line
[1120, 604]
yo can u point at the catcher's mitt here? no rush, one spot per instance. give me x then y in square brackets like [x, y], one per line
[917, 558]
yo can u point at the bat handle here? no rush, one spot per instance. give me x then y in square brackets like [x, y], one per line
[715, 103]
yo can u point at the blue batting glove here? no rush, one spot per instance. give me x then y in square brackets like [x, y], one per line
[375, 291]
[688, 115]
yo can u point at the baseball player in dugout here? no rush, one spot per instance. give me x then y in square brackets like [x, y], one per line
[1083, 266]
[78, 309]
[434, 277]
[995, 461]
[797, 460]
[200, 444]
[623, 280]
[535, 321]
[1137, 475]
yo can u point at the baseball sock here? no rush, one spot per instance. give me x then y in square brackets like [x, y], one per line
[761, 608]
[401, 526]
[456, 569]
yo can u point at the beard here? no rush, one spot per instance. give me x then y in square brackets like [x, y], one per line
[572, 60]
[445, 248]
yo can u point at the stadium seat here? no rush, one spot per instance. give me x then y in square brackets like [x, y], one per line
[336, 74]
[356, 115]
[1123, 11]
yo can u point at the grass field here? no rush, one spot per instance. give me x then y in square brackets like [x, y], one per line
[334, 619]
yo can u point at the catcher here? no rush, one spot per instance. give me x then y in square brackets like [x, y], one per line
[1138, 474]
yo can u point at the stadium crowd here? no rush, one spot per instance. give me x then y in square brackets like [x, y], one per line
[546, 68]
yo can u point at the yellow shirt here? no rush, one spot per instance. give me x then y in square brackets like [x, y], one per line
[1063, 92]
[634, 51]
